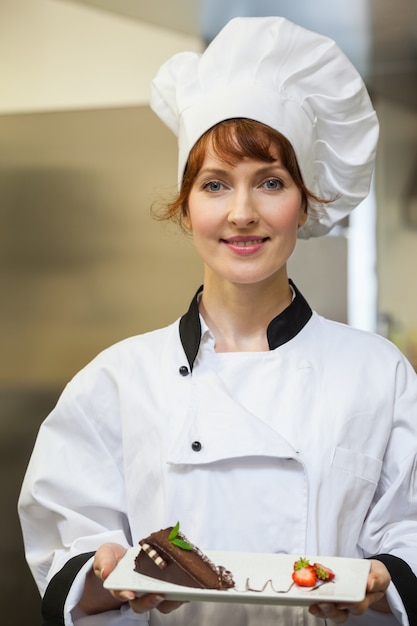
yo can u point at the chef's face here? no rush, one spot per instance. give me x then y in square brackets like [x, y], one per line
[244, 215]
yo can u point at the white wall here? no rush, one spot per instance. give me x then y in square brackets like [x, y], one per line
[397, 237]
[57, 55]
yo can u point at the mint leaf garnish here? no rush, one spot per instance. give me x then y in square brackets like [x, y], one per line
[174, 532]
[180, 543]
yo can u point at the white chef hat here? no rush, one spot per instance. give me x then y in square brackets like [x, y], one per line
[292, 79]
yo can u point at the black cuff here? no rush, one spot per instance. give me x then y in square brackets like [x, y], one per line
[57, 591]
[405, 582]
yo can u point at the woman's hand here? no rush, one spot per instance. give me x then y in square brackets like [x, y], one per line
[97, 599]
[378, 581]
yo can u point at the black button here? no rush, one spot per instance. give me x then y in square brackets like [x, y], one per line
[196, 446]
[184, 370]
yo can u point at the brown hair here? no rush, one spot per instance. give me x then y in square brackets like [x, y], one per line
[232, 140]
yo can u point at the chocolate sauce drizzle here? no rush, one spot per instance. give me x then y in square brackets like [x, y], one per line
[270, 584]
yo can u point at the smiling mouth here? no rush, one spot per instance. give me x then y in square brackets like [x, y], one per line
[242, 243]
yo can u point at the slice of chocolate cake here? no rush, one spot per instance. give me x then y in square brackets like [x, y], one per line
[168, 555]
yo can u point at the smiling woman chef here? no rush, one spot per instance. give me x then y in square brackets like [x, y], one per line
[260, 425]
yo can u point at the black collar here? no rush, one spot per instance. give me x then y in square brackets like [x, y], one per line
[281, 329]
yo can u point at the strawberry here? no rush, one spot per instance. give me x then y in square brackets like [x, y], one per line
[304, 574]
[323, 572]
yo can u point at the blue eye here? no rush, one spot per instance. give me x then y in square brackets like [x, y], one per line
[273, 183]
[213, 185]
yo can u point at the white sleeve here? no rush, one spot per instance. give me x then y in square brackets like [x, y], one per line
[390, 529]
[73, 495]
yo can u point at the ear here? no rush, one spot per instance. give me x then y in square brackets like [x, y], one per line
[303, 215]
[186, 220]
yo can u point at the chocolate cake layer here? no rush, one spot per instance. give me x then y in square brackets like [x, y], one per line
[161, 559]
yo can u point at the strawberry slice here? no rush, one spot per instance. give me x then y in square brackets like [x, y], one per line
[323, 572]
[304, 574]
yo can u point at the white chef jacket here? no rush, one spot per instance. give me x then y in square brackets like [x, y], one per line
[308, 449]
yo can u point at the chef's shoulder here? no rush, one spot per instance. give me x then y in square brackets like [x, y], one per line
[344, 341]
[128, 361]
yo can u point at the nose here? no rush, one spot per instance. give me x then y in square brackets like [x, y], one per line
[242, 209]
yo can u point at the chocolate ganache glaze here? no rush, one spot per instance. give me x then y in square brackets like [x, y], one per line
[168, 555]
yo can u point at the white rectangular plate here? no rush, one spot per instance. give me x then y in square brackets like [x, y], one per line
[349, 584]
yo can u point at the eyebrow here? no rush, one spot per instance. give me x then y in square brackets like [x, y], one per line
[218, 171]
[212, 172]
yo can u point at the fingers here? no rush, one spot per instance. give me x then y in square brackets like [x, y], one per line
[146, 603]
[168, 606]
[377, 584]
[379, 577]
[153, 601]
[106, 558]
[330, 611]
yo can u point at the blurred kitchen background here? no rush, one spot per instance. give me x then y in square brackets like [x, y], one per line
[82, 160]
